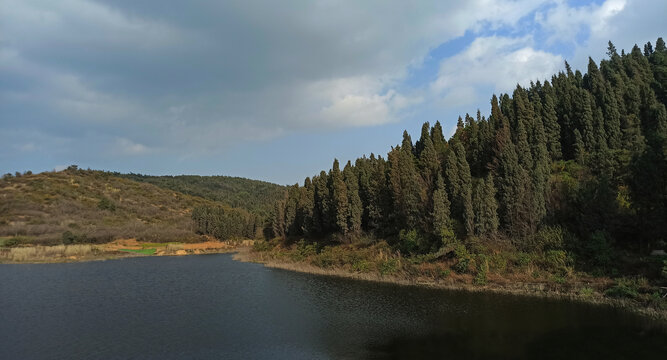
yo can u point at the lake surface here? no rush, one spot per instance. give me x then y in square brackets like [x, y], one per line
[212, 307]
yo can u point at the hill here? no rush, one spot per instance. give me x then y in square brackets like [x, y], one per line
[255, 196]
[84, 206]
[571, 170]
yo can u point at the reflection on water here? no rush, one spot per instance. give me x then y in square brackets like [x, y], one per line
[213, 307]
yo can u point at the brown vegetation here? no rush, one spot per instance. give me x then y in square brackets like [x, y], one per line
[545, 275]
[115, 249]
[77, 206]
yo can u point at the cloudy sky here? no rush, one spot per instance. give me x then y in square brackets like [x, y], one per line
[273, 90]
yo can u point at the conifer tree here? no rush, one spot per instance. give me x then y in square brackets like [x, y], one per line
[322, 210]
[407, 190]
[354, 201]
[339, 201]
[441, 208]
[428, 162]
[485, 206]
[306, 206]
[438, 140]
[278, 223]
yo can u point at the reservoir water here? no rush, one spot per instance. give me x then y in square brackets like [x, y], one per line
[212, 307]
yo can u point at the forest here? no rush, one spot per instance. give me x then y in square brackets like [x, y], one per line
[577, 163]
[254, 196]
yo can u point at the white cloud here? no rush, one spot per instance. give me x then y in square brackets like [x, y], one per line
[565, 22]
[461, 96]
[624, 22]
[209, 74]
[124, 146]
[498, 62]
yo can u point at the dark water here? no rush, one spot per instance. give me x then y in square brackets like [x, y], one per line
[211, 307]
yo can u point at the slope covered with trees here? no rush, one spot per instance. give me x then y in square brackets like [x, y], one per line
[85, 206]
[254, 196]
[577, 163]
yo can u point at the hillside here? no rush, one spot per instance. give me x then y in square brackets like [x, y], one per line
[253, 195]
[77, 206]
[564, 179]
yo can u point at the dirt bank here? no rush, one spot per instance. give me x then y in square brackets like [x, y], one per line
[117, 249]
[495, 285]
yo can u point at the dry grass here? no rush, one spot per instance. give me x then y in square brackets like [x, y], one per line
[44, 206]
[47, 253]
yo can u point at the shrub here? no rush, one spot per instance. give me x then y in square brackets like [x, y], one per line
[555, 259]
[303, 250]
[465, 260]
[497, 263]
[599, 249]
[261, 245]
[523, 259]
[664, 269]
[548, 238]
[408, 241]
[447, 237]
[71, 238]
[627, 287]
[388, 266]
[586, 292]
[13, 241]
[482, 269]
[361, 266]
[106, 204]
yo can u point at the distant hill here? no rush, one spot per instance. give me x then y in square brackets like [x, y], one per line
[253, 195]
[95, 206]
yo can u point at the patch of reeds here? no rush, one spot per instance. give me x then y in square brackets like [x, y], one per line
[172, 248]
[47, 253]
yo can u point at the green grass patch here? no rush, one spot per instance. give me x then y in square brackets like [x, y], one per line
[141, 251]
[157, 245]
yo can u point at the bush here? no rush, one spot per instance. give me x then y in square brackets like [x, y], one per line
[523, 259]
[71, 238]
[464, 259]
[627, 287]
[13, 241]
[447, 237]
[586, 292]
[106, 204]
[482, 269]
[548, 238]
[388, 266]
[497, 263]
[555, 259]
[303, 250]
[599, 249]
[261, 246]
[361, 266]
[408, 241]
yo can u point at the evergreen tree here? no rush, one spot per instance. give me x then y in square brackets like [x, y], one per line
[339, 201]
[322, 209]
[441, 208]
[438, 140]
[279, 219]
[485, 206]
[407, 190]
[355, 209]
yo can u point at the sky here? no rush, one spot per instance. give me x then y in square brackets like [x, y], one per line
[274, 90]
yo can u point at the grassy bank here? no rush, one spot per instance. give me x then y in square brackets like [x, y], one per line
[533, 274]
[112, 250]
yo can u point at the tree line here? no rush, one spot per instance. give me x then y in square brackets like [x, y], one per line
[585, 154]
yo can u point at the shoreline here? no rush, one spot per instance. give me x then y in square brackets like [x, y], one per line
[535, 290]
[244, 253]
[119, 249]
